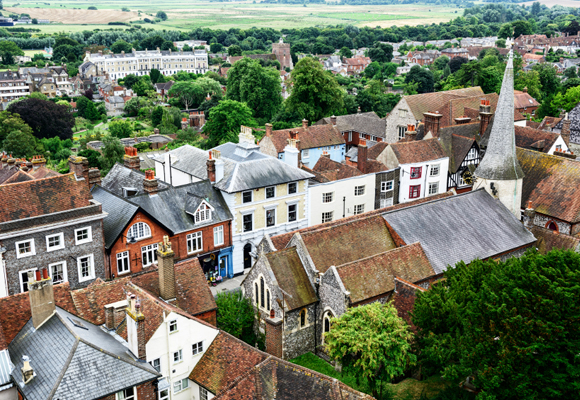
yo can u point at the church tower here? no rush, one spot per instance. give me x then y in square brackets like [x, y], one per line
[500, 173]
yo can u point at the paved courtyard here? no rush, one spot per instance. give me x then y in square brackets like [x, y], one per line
[227, 285]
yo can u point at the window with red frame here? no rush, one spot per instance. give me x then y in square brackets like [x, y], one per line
[416, 172]
[414, 191]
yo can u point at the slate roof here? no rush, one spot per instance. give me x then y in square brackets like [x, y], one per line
[73, 362]
[374, 276]
[429, 102]
[368, 123]
[460, 228]
[174, 207]
[120, 212]
[43, 196]
[500, 161]
[225, 360]
[551, 184]
[120, 177]
[418, 151]
[535, 139]
[314, 136]
[291, 277]
[278, 379]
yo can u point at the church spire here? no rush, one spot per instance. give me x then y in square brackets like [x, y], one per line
[500, 161]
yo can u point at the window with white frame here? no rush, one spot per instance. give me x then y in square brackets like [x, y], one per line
[271, 217]
[57, 272]
[197, 348]
[127, 394]
[292, 212]
[292, 187]
[24, 280]
[149, 254]
[156, 364]
[173, 326]
[247, 196]
[140, 230]
[270, 192]
[55, 242]
[203, 393]
[177, 356]
[385, 202]
[327, 216]
[123, 262]
[164, 394]
[203, 213]
[194, 242]
[327, 197]
[359, 190]
[25, 248]
[180, 385]
[86, 268]
[248, 222]
[402, 130]
[386, 186]
[433, 188]
[434, 171]
[472, 153]
[218, 235]
[83, 235]
[359, 209]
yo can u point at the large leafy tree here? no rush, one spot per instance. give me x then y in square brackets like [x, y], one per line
[225, 121]
[512, 325]
[121, 45]
[381, 52]
[256, 86]
[121, 128]
[315, 94]
[188, 92]
[236, 316]
[372, 342]
[47, 119]
[423, 77]
[22, 144]
[568, 100]
[112, 152]
[12, 122]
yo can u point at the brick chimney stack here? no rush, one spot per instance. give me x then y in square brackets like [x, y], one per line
[565, 132]
[80, 167]
[94, 177]
[362, 156]
[37, 162]
[484, 116]
[462, 120]
[411, 134]
[304, 123]
[268, 130]
[41, 295]
[432, 122]
[184, 124]
[135, 327]
[10, 162]
[131, 158]
[211, 168]
[150, 183]
[165, 259]
[333, 120]
[529, 215]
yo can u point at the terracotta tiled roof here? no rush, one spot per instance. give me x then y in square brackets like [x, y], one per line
[226, 360]
[376, 150]
[550, 240]
[291, 277]
[281, 380]
[15, 311]
[535, 139]
[457, 107]
[429, 102]
[193, 293]
[549, 122]
[42, 196]
[90, 302]
[312, 137]
[19, 176]
[333, 170]
[374, 276]
[418, 151]
[550, 183]
[348, 242]
[44, 172]
[281, 241]
[523, 100]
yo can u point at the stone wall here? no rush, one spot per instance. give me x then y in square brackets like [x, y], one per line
[392, 175]
[299, 340]
[332, 300]
[401, 115]
[542, 220]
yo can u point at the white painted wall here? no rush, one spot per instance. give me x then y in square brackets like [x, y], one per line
[174, 177]
[508, 192]
[406, 182]
[559, 142]
[341, 189]
[163, 344]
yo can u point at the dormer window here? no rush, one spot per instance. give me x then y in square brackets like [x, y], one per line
[203, 213]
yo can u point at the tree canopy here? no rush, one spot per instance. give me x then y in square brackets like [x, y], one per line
[47, 119]
[225, 121]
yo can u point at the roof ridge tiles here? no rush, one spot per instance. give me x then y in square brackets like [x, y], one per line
[434, 201]
[410, 284]
[390, 251]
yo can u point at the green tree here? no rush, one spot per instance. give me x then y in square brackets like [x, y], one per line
[93, 157]
[121, 45]
[372, 69]
[188, 92]
[236, 316]
[155, 76]
[7, 46]
[345, 52]
[130, 80]
[225, 121]
[490, 80]
[521, 28]
[570, 73]
[161, 15]
[372, 343]
[21, 144]
[121, 128]
[500, 43]
[234, 50]
[440, 63]
[12, 122]
[548, 78]
[256, 86]
[144, 86]
[531, 81]
[381, 52]
[568, 100]
[7, 58]
[315, 94]
[536, 8]
[112, 152]
[156, 116]
[507, 324]
[423, 77]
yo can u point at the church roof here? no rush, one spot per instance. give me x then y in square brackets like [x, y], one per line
[500, 161]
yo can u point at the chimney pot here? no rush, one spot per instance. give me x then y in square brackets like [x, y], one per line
[333, 120]
[37, 273]
[304, 123]
[44, 273]
[268, 130]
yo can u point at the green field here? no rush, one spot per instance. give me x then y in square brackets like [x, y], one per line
[72, 15]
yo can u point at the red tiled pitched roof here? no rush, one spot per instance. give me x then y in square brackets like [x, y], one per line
[19, 176]
[333, 170]
[549, 122]
[226, 360]
[418, 151]
[376, 150]
[549, 240]
[523, 100]
[535, 139]
[43, 196]
[90, 302]
[44, 172]
[435, 101]
[312, 137]
[282, 240]
[374, 276]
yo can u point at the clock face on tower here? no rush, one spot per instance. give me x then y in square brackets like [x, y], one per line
[467, 177]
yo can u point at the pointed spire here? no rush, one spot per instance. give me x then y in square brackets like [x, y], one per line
[500, 161]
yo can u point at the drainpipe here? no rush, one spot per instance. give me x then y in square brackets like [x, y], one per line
[3, 271]
[343, 206]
